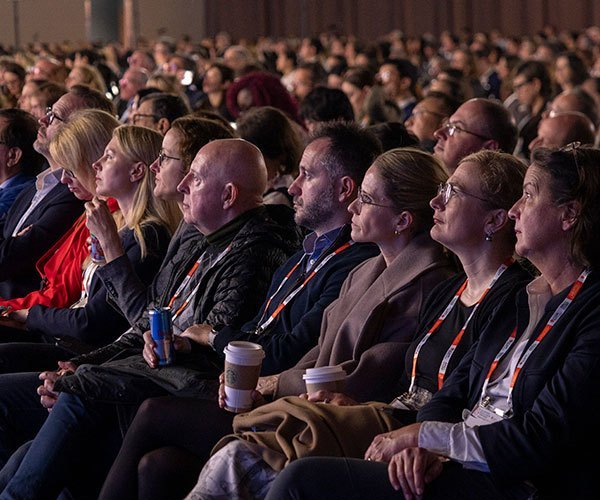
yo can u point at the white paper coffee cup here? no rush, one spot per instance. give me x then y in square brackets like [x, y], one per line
[325, 378]
[242, 369]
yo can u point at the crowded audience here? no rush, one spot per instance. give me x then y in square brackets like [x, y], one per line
[416, 215]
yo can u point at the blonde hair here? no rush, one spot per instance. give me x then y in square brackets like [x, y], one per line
[81, 142]
[91, 77]
[141, 144]
[78, 144]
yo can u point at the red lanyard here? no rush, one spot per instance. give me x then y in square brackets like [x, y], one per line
[560, 310]
[263, 326]
[448, 355]
[188, 277]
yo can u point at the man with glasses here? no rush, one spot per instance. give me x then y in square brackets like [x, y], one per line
[398, 77]
[427, 117]
[43, 212]
[576, 99]
[158, 110]
[533, 88]
[477, 124]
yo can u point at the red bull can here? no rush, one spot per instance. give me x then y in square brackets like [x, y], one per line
[96, 252]
[162, 334]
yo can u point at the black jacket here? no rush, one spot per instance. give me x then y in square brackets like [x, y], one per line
[230, 293]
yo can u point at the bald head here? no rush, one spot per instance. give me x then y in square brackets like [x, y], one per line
[562, 129]
[227, 178]
[575, 99]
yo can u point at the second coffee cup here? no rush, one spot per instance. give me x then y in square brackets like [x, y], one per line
[325, 378]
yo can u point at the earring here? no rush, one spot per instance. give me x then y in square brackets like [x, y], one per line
[396, 232]
[488, 236]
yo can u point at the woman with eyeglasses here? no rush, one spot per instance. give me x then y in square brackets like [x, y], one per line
[471, 219]
[518, 419]
[364, 331]
[179, 147]
[72, 303]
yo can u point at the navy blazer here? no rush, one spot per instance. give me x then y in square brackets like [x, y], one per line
[296, 329]
[50, 220]
[556, 399]
[9, 194]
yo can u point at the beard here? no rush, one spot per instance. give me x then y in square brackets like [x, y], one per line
[316, 212]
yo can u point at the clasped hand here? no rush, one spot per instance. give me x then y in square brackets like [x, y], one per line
[48, 395]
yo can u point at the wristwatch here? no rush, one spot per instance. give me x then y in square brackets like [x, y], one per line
[211, 338]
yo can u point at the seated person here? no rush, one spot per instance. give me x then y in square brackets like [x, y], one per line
[517, 416]
[365, 330]
[280, 143]
[18, 131]
[485, 185]
[102, 166]
[43, 212]
[231, 269]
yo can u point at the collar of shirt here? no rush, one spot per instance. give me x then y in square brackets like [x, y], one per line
[314, 245]
[48, 178]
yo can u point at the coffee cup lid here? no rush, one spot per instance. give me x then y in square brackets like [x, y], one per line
[244, 353]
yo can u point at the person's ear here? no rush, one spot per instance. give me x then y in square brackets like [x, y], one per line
[404, 221]
[137, 171]
[571, 211]
[491, 144]
[14, 156]
[229, 195]
[163, 125]
[347, 189]
[495, 221]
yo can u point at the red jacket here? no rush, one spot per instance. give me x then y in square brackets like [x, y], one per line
[61, 269]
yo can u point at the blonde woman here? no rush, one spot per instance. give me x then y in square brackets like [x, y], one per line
[144, 228]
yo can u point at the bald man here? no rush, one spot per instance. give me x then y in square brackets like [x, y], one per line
[477, 124]
[221, 281]
[562, 129]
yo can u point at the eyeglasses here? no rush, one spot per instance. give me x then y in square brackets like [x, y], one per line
[447, 190]
[139, 116]
[451, 128]
[51, 116]
[364, 199]
[417, 112]
[68, 173]
[517, 86]
[162, 157]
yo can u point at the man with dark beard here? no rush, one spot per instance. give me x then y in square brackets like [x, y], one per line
[331, 169]
[289, 322]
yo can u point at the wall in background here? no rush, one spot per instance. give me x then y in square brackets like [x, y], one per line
[58, 20]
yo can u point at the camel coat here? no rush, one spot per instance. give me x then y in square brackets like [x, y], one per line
[368, 328]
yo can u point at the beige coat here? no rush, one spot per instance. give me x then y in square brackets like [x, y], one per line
[368, 328]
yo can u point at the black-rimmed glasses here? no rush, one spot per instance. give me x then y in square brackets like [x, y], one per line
[447, 190]
[451, 128]
[365, 199]
[51, 116]
[162, 156]
[139, 116]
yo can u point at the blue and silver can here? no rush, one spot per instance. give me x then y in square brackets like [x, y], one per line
[96, 252]
[162, 334]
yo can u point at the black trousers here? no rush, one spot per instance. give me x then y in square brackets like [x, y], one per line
[354, 479]
[165, 448]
